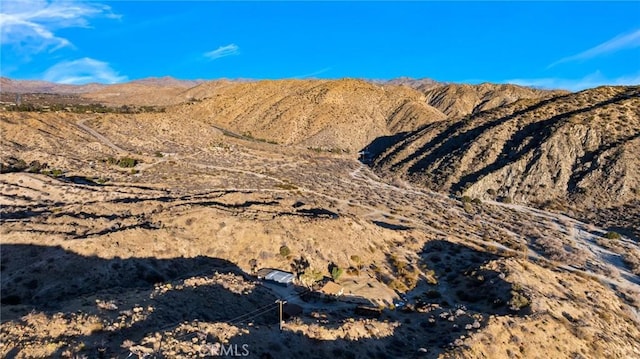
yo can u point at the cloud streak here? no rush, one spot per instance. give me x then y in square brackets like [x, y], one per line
[592, 80]
[312, 74]
[33, 24]
[82, 71]
[222, 51]
[620, 42]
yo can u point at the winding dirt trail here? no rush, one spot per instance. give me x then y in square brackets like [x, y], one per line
[363, 174]
[98, 136]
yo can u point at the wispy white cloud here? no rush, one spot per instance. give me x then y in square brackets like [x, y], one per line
[32, 24]
[82, 71]
[222, 51]
[312, 74]
[592, 80]
[620, 42]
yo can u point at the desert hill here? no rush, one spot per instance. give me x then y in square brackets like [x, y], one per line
[145, 92]
[138, 234]
[579, 150]
[342, 114]
[8, 85]
[456, 100]
[337, 115]
[36, 86]
[423, 83]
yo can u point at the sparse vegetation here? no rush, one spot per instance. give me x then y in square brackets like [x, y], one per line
[127, 162]
[56, 172]
[83, 108]
[285, 251]
[519, 300]
[250, 136]
[287, 186]
[310, 276]
[124, 162]
[154, 245]
[612, 235]
[329, 150]
[336, 273]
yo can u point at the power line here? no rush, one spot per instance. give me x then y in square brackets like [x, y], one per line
[273, 305]
[256, 312]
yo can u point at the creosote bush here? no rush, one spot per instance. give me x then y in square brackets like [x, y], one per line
[310, 276]
[124, 162]
[285, 251]
[612, 235]
[336, 272]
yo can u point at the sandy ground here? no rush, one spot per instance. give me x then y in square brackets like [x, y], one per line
[155, 260]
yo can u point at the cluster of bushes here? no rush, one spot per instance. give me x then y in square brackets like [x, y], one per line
[124, 162]
[13, 164]
[468, 202]
[336, 272]
[330, 150]
[407, 276]
[249, 136]
[612, 235]
[519, 300]
[310, 276]
[83, 108]
[467, 199]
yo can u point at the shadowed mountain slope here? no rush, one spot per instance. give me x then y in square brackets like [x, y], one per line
[456, 100]
[579, 149]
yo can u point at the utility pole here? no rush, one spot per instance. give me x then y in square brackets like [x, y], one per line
[281, 302]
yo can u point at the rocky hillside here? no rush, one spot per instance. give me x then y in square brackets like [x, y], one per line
[578, 149]
[139, 235]
[343, 114]
[457, 100]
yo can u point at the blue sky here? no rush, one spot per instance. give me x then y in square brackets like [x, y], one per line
[571, 45]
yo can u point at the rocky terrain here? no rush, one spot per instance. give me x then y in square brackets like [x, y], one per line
[343, 115]
[456, 100]
[576, 153]
[137, 234]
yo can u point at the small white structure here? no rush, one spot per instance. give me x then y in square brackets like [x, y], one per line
[276, 276]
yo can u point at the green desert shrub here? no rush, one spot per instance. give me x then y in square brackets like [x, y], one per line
[285, 251]
[612, 235]
[336, 272]
[127, 162]
[518, 301]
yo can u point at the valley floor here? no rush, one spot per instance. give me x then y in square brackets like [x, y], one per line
[156, 260]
